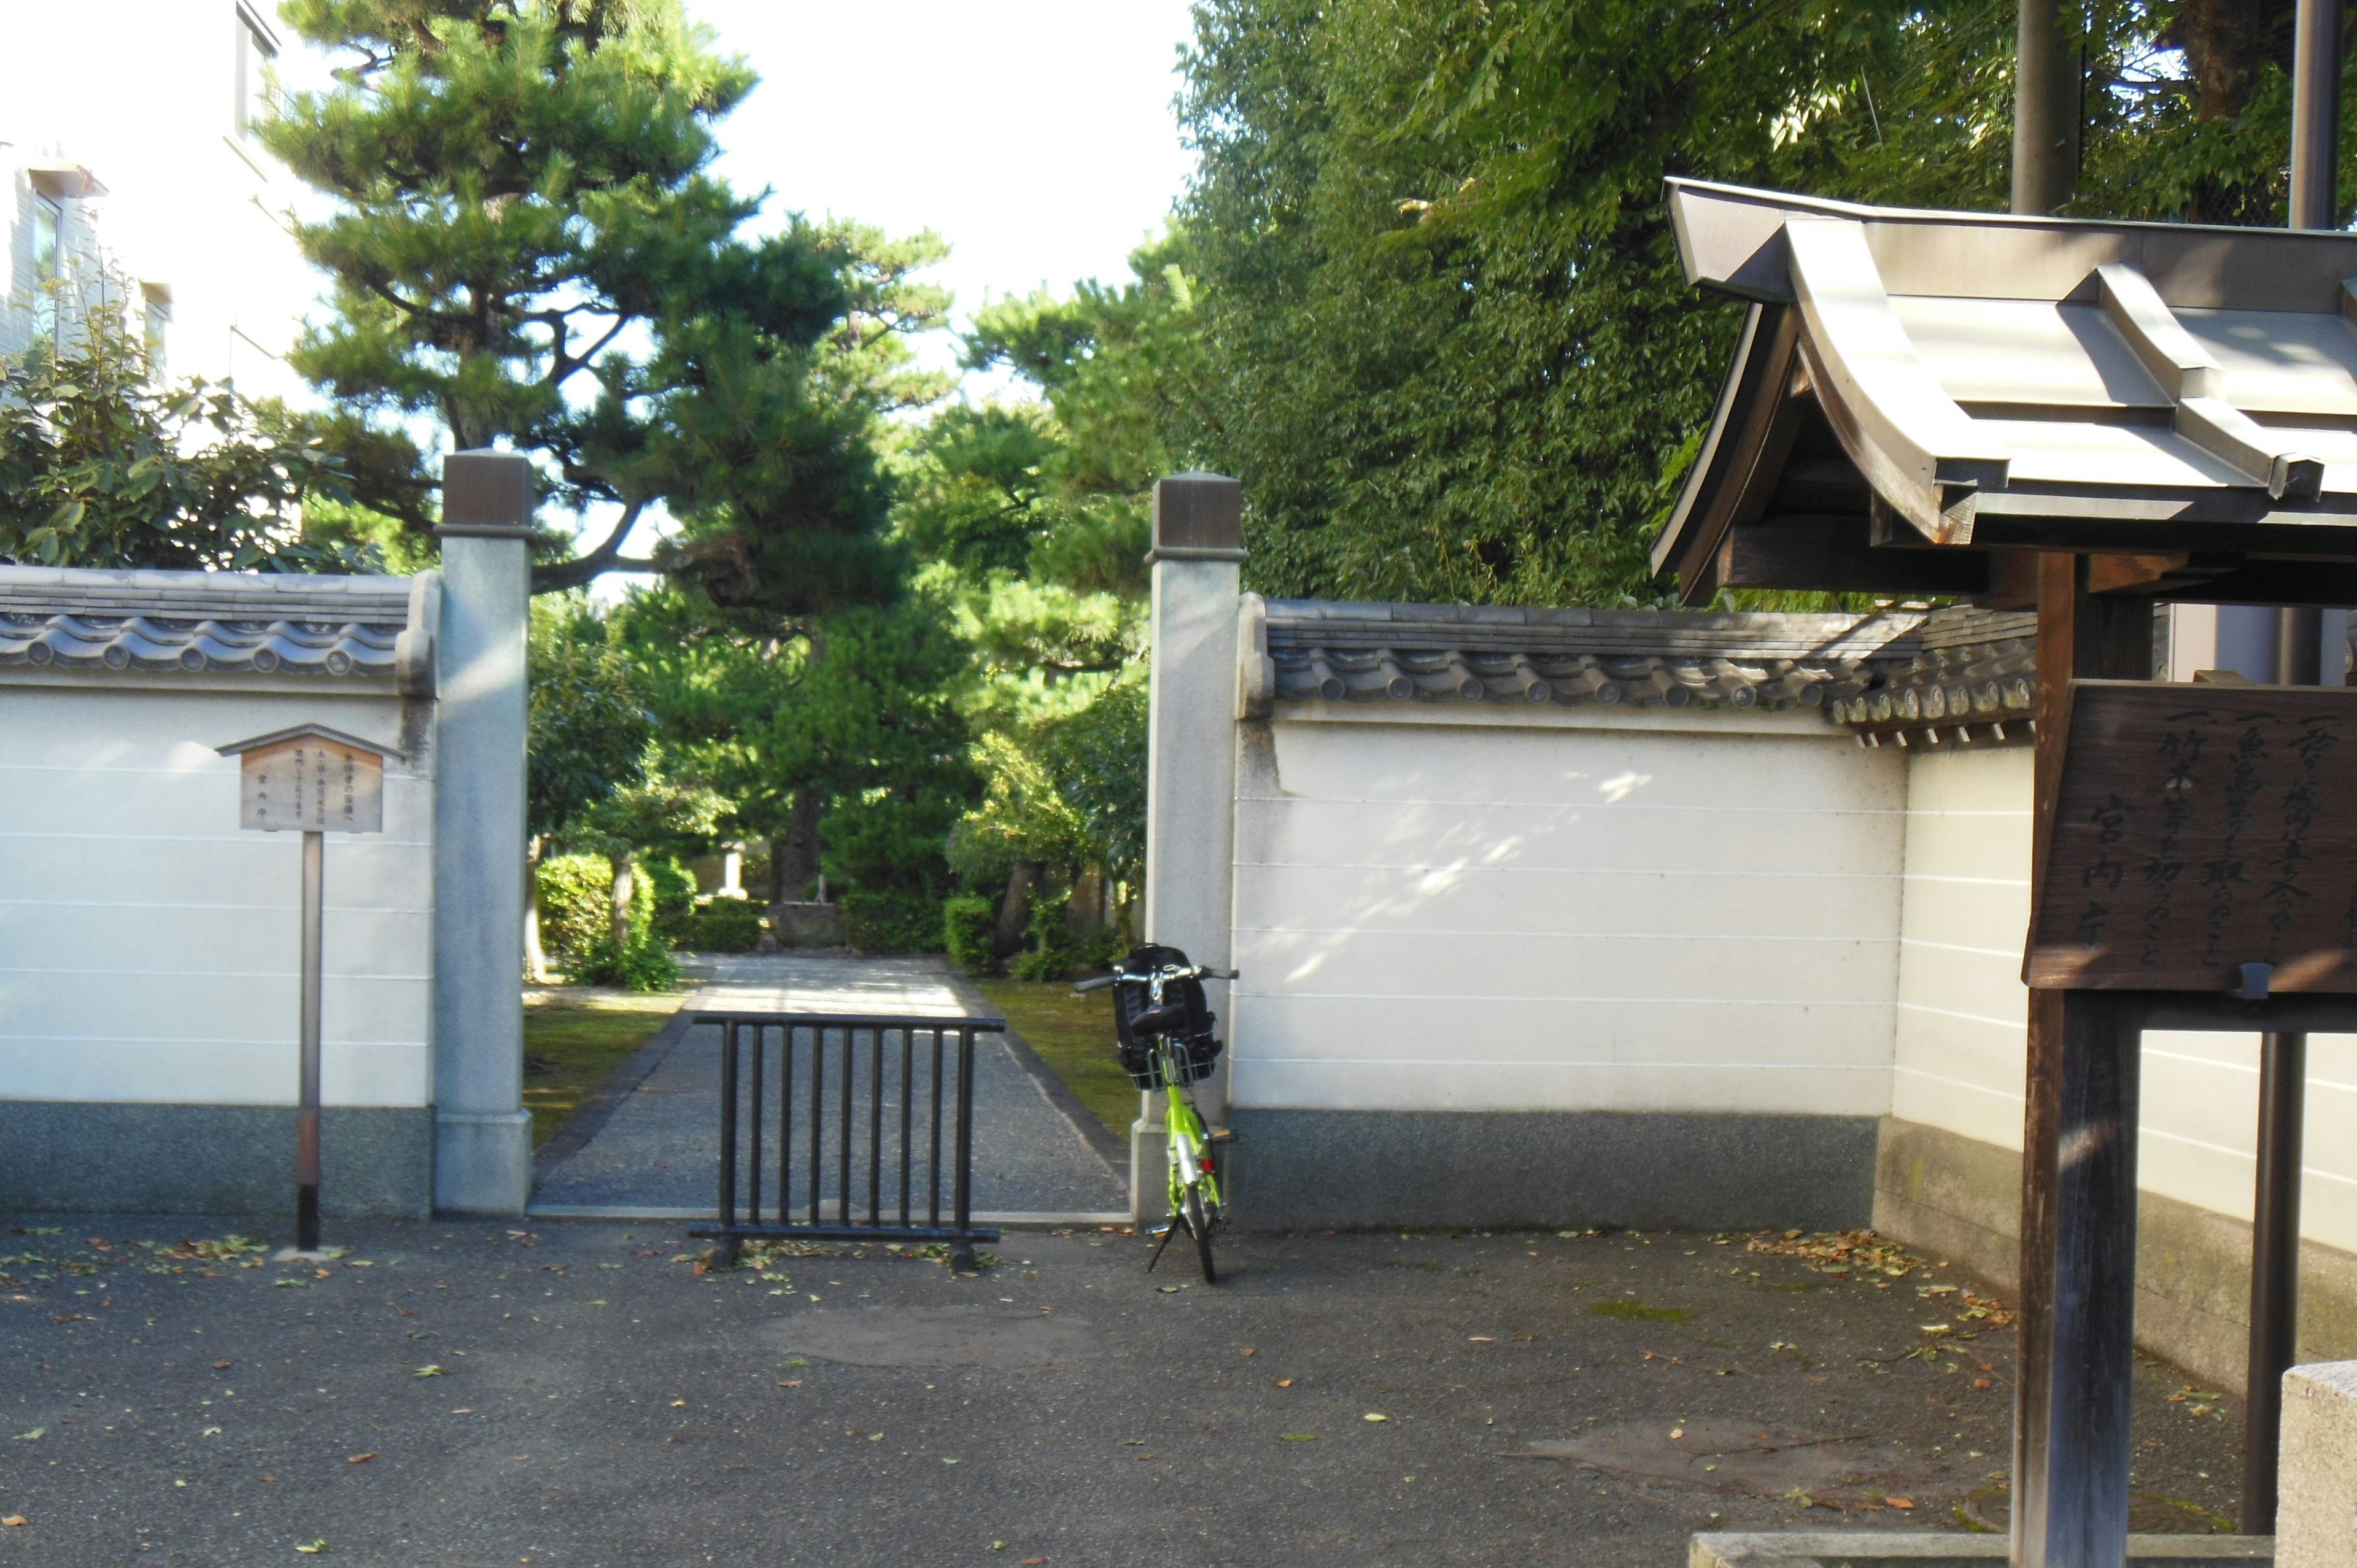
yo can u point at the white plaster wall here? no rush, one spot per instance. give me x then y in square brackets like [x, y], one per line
[149, 947]
[1962, 1014]
[1659, 913]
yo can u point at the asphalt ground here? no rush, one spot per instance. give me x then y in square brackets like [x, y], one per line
[578, 1394]
[657, 1145]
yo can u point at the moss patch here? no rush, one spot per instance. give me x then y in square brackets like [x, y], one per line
[1639, 1311]
[1073, 1035]
[573, 1039]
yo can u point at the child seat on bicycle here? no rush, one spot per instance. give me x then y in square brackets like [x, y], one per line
[1184, 1018]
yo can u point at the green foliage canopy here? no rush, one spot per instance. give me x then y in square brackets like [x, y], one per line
[1449, 348]
[530, 250]
[101, 467]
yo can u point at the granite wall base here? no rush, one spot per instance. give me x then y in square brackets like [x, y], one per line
[1960, 1199]
[64, 1157]
[1339, 1170]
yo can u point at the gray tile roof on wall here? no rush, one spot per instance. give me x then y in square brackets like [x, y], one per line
[192, 622]
[1972, 682]
[1454, 654]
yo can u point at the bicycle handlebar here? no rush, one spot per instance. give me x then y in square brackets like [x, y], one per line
[1198, 972]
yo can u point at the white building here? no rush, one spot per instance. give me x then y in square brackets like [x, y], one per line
[125, 135]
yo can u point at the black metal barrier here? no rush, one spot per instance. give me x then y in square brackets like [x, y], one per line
[912, 1073]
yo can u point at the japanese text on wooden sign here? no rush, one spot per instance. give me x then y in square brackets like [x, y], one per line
[2197, 829]
[312, 785]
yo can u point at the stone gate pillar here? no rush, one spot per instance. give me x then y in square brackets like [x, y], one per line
[482, 1150]
[1191, 768]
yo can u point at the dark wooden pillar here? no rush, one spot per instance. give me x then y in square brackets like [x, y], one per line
[2078, 1166]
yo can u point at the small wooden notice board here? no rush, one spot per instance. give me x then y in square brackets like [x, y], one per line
[2196, 830]
[312, 782]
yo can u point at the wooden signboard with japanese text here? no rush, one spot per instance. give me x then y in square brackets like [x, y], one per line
[2197, 829]
[311, 784]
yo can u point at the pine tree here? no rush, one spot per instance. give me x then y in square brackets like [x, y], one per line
[530, 251]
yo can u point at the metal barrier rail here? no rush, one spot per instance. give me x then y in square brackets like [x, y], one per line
[748, 1043]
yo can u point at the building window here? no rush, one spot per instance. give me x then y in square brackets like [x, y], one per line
[48, 218]
[257, 45]
[158, 328]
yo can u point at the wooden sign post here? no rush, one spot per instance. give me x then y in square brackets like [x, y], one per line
[2196, 869]
[314, 780]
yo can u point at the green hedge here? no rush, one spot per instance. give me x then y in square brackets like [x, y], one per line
[969, 929]
[891, 922]
[674, 898]
[577, 898]
[725, 925]
[644, 963]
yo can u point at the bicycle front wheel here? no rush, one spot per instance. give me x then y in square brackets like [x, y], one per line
[1199, 1224]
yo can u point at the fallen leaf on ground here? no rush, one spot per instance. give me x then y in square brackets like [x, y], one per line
[1247, 1350]
[795, 1384]
[1900, 1502]
[314, 1549]
[1375, 1415]
[220, 1366]
[358, 1458]
[1296, 1437]
[1284, 1382]
[13, 1521]
[1033, 1561]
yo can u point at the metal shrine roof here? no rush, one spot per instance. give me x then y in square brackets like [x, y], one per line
[193, 622]
[1918, 395]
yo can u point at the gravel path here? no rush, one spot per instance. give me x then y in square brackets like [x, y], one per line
[659, 1146]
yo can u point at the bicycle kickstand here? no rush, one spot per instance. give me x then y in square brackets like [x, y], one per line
[1168, 1230]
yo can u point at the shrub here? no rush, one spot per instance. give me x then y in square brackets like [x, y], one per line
[576, 900]
[725, 925]
[1055, 948]
[970, 927]
[643, 963]
[891, 922]
[674, 890]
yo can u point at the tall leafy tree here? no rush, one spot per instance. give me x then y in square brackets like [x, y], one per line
[1450, 351]
[529, 249]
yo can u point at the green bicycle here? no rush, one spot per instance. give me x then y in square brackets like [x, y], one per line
[1164, 1030]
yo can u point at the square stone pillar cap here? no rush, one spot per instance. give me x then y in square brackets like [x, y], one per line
[486, 494]
[1198, 517]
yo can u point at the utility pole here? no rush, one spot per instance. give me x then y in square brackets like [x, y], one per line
[2299, 662]
[2047, 97]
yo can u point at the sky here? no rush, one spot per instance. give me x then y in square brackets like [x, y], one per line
[1037, 136]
